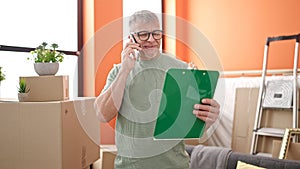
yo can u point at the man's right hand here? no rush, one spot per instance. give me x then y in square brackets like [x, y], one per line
[129, 56]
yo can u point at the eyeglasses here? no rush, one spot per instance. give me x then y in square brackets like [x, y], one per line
[145, 35]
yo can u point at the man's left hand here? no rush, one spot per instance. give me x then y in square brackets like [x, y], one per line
[208, 111]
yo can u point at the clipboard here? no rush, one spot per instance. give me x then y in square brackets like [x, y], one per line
[182, 89]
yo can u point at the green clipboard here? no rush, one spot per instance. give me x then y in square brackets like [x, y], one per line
[182, 89]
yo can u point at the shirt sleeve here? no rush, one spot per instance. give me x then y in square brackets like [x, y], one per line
[111, 77]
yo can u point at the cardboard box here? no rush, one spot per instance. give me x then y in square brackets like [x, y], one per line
[108, 155]
[293, 151]
[243, 120]
[47, 88]
[265, 144]
[48, 135]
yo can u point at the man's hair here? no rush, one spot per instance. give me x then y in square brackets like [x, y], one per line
[143, 16]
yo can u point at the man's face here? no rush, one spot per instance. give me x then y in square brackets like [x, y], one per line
[150, 47]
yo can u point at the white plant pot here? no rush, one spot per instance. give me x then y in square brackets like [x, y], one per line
[44, 69]
[23, 97]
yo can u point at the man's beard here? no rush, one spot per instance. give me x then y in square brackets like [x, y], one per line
[149, 55]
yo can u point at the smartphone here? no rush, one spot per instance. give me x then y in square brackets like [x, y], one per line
[136, 51]
[131, 35]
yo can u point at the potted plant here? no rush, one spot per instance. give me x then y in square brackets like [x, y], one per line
[23, 90]
[46, 60]
[2, 77]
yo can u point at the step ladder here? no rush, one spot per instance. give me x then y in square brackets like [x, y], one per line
[262, 104]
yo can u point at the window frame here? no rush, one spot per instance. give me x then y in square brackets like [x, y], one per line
[4, 47]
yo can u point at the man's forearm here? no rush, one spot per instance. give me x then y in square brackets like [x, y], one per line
[108, 103]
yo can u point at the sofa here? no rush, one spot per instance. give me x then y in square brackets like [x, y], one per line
[217, 157]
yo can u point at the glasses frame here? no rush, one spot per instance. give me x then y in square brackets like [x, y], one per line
[148, 35]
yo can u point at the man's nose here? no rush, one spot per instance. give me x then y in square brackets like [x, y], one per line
[151, 37]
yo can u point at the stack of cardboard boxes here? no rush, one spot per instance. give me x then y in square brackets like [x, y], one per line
[48, 131]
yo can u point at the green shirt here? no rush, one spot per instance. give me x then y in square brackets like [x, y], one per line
[137, 116]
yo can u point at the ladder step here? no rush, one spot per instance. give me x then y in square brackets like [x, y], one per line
[278, 94]
[275, 132]
[275, 107]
